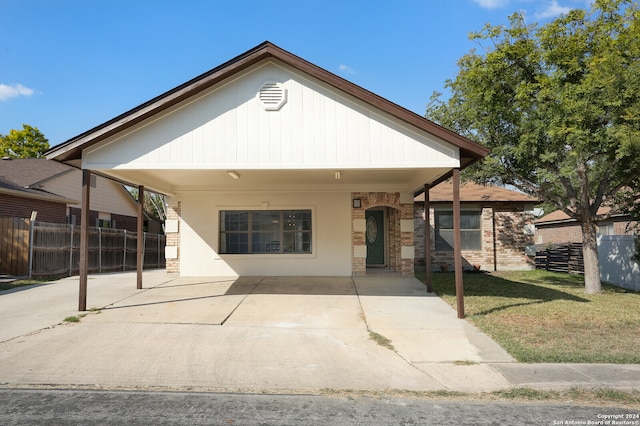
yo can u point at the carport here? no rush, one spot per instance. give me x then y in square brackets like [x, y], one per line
[246, 334]
[273, 166]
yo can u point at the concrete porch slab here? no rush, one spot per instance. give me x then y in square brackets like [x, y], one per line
[466, 378]
[421, 326]
[249, 333]
[301, 302]
[181, 301]
[209, 356]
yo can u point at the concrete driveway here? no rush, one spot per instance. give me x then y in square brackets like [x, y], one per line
[251, 333]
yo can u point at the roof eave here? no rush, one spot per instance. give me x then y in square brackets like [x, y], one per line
[34, 196]
[72, 149]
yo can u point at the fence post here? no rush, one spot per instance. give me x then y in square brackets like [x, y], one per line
[546, 260]
[70, 249]
[144, 247]
[124, 257]
[99, 250]
[31, 228]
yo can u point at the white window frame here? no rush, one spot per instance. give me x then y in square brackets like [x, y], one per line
[436, 228]
[282, 232]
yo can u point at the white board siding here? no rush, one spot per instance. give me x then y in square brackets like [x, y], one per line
[107, 196]
[316, 128]
[199, 233]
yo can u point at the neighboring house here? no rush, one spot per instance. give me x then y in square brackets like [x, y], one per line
[558, 227]
[18, 201]
[497, 227]
[274, 166]
[616, 246]
[54, 189]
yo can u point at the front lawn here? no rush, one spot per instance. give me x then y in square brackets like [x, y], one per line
[540, 316]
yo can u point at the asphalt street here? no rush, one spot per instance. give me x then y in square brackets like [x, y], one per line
[98, 407]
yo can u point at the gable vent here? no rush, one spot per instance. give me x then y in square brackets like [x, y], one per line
[273, 96]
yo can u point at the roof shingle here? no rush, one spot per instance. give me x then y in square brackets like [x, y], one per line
[472, 192]
[26, 172]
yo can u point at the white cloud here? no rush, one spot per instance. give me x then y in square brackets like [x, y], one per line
[551, 9]
[546, 9]
[14, 90]
[346, 69]
[492, 4]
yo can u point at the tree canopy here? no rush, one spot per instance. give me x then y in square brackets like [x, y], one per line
[26, 143]
[153, 204]
[559, 105]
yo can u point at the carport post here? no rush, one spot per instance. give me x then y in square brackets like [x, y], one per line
[457, 251]
[140, 237]
[84, 239]
[427, 240]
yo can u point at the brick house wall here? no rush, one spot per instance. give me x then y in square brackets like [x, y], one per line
[503, 238]
[14, 206]
[570, 231]
[558, 233]
[624, 227]
[511, 238]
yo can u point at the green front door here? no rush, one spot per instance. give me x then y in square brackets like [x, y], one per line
[375, 237]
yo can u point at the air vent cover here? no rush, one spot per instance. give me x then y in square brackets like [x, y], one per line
[273, 96]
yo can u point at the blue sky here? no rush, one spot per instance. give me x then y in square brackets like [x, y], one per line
[69, 65]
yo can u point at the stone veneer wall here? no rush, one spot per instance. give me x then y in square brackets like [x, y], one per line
[173, 239]
[400, 244]
[510, 241]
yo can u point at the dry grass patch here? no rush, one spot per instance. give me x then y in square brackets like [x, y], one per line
[381, 340]
[21, 283]
[540, 316]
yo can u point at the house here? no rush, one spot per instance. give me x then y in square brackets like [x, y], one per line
[274, 166]
[53, 190]
[616, 245]
[17, 201]
[497, 227]
[557, 227]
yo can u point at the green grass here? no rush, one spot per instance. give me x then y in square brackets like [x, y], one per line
[603, 396]
[540, 316]
[381, 340]
[21, 283]
[77, 318]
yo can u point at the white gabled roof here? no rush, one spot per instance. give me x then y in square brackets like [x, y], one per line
[266, 110]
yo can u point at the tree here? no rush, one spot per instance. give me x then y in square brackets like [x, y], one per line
[559, 105]
[154, 203]
[26, 143]
[633, 210]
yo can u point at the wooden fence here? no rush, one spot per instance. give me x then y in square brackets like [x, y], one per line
[14, 245]
[566, 257]
[55, 250]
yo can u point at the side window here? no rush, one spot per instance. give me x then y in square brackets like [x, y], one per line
[470, 232]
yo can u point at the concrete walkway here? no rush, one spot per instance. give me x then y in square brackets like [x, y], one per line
[263, 333]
